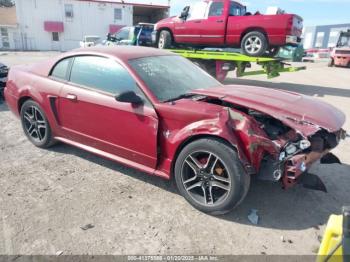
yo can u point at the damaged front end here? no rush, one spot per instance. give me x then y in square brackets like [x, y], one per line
[281, 148]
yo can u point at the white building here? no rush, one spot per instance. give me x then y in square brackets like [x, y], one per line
[62, 24]
[9, 37]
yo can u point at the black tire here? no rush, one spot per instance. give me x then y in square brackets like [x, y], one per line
[33, 120]
[238, 181]
[331, 62]
[254, 44]
[165, 40]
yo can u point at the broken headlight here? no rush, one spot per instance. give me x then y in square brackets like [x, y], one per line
[294, 148]
[304, 144]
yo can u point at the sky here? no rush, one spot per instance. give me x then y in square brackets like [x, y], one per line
[314, 12]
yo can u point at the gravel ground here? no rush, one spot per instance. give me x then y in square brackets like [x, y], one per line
[46, 196]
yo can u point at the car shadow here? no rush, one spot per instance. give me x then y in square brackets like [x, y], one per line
[310, 90]
[294, 209]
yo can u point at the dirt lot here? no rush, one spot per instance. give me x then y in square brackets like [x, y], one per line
[47, 195]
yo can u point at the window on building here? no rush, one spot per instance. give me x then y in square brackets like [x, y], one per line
[118, 14]
[102, 74]
[4, 38]
[308, 40]
[55, 37]
[61, 68]
[216, 9]
[319, 40]
[333, 38]
[68, 9]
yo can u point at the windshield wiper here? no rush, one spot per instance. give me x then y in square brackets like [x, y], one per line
[179, 97]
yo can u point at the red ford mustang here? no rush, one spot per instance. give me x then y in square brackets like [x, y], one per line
[156, 111]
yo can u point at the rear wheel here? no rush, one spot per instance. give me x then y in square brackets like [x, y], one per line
[35, 125]
[165, 40]
[254, 44]
[210, 176]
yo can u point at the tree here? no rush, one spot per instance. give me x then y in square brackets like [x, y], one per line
[6, 3]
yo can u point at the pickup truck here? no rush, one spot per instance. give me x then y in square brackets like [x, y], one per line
[226, 23]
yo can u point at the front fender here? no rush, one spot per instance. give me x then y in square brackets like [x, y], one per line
[218, 127]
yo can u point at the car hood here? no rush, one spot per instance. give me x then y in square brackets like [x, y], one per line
[305, 114]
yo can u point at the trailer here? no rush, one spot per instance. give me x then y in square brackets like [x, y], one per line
[218, 63]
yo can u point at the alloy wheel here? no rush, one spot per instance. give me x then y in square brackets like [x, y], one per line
[35, 124]
[206, 178]
[161, 42]
[253, 44]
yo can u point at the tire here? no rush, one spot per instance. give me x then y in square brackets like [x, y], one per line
[254, 44]
[165, 40]
[35, 125]
[217, 167]
[331, 62]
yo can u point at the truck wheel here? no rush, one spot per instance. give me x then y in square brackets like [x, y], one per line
[254, 44]
[331, 62]
[165, 40]
[210, 176]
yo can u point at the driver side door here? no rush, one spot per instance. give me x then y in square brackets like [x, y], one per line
[188, 30]
[90, 115]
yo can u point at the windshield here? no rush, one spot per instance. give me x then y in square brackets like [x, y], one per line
[169, 77]
[344, 41]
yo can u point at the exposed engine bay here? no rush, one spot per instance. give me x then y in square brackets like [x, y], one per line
[292, 154]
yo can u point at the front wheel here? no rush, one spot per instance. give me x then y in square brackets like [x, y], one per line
[254, 44]
[210, 176]
[165, 40]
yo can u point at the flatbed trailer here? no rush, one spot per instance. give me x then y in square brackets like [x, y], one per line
[218, 63]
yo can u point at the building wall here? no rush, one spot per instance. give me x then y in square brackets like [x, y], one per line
[323, 36]
[89, 18]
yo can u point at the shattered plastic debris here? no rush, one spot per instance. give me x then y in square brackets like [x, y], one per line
[87, 226]
[253, 216]
[58, 253]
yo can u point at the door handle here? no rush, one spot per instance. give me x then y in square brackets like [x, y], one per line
[72, 97]
[197, 22]
[219, 21]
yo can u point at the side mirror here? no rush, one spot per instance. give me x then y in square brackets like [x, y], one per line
[129, 97]
[184, 12]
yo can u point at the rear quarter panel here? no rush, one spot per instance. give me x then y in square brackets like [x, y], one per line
[24, 84]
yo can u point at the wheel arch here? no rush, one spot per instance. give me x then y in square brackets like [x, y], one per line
[194, 138]
[165, 29]
[252, 29]
[22, 100]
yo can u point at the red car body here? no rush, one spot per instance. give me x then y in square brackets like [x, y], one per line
[150, 138]
[228, 30]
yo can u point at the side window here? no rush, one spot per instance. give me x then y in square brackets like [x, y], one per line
[60, 69]
[102, 74]
[216, 9]
[123, 34]
[197, 11]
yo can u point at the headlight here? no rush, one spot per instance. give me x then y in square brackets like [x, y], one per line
[304, 144]
[291, 149]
